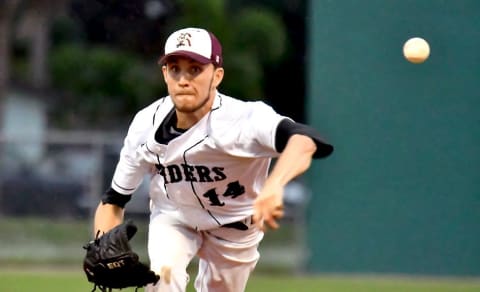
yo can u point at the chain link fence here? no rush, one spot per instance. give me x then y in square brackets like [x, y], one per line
[61, 175]
[60, 178]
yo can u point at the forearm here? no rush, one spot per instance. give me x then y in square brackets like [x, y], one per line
[106, 217]
[294, 160]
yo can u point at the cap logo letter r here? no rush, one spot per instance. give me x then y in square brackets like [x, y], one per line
[184, 40]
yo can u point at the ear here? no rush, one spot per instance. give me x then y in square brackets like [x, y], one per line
[217, 76]
[164, 72]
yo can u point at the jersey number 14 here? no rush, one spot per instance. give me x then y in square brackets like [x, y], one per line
[234, 189]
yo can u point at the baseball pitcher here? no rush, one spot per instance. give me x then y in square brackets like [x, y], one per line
[212, 191]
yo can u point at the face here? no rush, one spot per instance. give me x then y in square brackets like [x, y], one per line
[191, 84]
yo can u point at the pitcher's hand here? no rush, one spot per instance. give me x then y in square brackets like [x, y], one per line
[268, 207]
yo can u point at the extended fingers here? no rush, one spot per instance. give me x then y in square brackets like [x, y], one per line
[268, 217]
[273, 216]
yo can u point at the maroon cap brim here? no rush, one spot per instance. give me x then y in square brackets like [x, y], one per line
[187, 54]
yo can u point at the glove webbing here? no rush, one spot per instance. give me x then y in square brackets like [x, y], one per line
[101, 287]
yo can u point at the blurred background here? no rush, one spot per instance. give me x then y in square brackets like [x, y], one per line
[400, 195]
[73, 74]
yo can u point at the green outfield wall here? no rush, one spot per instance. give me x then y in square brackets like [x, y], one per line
[401, 193]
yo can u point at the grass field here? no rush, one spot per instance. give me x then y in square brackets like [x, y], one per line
[74, 281]
[33, 252]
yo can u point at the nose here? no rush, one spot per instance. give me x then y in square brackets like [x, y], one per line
[183, 79]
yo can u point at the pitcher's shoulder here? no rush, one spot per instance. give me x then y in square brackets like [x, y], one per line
[234, 107]
[154, 109]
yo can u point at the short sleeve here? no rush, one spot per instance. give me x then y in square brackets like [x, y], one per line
[245, 129]
[261, 125]
[131, 169]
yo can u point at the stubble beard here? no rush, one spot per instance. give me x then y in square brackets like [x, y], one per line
[189, 110]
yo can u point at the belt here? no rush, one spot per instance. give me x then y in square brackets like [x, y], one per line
[239, 225]
[236, 225]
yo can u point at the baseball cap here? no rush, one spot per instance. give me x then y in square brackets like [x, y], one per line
[196, 43]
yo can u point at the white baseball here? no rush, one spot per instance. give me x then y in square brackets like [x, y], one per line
[416, 50]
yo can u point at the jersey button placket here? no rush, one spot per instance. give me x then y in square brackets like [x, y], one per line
[162, 153]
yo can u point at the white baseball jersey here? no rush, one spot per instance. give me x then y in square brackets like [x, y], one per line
[209, 175]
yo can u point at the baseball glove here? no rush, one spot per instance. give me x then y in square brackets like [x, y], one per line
[110, 262]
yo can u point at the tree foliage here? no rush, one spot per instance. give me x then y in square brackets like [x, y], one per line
[252, 37]
[104, 80]
[115, 77]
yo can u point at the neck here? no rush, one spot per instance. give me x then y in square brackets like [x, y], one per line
[185, 120]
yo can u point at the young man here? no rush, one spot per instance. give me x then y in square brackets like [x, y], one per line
[208, 155]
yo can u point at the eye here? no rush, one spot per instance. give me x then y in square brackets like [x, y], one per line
[174, 68]
[194, 70]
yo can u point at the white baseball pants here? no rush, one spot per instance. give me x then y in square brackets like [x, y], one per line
[227, 256]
